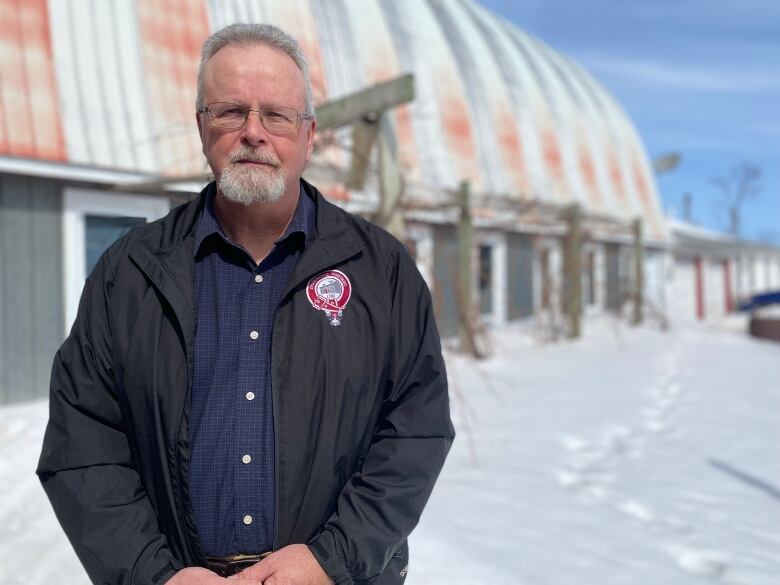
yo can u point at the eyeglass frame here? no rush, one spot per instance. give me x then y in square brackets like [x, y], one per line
[298, 116]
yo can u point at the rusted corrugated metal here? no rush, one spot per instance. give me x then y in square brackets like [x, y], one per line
[113, 84]
[29, 114]
[378, 60]
[551, 183]
[490, 98]
[441, 116]
[171, 33]
[101, 80]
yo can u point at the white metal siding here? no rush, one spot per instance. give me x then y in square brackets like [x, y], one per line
[715, 294]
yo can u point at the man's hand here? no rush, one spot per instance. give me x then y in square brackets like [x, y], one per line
[291, 565]
[200, 576]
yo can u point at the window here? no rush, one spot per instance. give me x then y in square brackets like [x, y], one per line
[92, 221]
[546, 280]
[589, 279]
[101, 232]
[485, 280]
[411, 247]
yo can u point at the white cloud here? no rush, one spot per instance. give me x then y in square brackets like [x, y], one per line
[713, 79]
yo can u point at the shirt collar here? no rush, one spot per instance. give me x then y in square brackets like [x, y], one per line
[303, 221]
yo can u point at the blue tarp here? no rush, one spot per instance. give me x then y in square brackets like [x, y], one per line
[762, 300]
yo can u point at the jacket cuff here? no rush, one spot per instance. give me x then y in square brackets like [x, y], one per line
[165, 574]
[326, 551]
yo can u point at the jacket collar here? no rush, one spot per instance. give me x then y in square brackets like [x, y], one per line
[336, 241]
[301, 225]
[165, 250]
[164, 253]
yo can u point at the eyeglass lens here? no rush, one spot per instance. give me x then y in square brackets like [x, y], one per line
[233, 116]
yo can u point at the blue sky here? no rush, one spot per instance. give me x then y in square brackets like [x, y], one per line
[699, 77]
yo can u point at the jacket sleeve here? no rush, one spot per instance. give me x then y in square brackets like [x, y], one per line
[86, 466]
[381, 504]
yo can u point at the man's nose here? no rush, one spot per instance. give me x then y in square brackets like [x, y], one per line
[253, 131]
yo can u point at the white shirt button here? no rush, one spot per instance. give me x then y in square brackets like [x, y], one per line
[254, 335]
[258, 278]
[247, 519]
[250, 395]
[246, 459]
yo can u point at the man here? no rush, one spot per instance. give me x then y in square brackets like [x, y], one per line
[253, 384]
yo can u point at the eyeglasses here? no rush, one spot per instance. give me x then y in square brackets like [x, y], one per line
[275, 119]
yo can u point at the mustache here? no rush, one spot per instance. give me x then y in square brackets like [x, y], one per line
[257, 156]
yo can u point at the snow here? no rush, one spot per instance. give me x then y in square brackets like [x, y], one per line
[632, 456]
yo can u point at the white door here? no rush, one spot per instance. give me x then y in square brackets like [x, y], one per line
[682, 301]
[715, 289]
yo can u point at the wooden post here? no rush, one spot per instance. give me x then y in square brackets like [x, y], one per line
[639, 265]
[390, 214]
[465, 239]
[573, 271]
[370, 101]
[368, 112]
[364, 136]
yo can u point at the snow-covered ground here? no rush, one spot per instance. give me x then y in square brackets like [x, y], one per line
[629, 457]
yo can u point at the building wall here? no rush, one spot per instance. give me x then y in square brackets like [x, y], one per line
[730, 283]
[746, 279]
[520, 281]
[419, 242]
[613, 295]
[655, 277]
[548, 275]
[445, 279]
[682, 303]
[766, 261]
[31, 285]
[775, 270]
[715, 284]
[759, 271]
[491, 246]
[593, 277]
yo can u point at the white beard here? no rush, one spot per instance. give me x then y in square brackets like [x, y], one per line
[247, 185]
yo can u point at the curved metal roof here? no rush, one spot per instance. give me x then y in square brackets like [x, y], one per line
[113, 84]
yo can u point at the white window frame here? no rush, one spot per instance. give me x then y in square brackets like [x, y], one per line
[498, 258]
[595, 249]
[422, 234]
[555, 264]
[77, 205]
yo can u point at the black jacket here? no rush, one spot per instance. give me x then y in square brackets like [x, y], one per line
[361, 410]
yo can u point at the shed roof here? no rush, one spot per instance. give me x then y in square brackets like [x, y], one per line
[112, 84]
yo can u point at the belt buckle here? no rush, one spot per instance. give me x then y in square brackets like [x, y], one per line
[233, 564]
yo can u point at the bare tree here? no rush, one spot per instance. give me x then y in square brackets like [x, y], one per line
[740, 186]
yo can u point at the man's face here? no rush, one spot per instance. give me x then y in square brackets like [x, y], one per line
[251, 157]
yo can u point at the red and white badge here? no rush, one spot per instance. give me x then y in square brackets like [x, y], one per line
[329, 291]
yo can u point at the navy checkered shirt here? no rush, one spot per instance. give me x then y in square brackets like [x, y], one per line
[232, 468]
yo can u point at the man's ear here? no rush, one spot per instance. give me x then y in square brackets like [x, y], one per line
[310, 132]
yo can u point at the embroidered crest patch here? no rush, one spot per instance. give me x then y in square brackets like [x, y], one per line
[330, 291]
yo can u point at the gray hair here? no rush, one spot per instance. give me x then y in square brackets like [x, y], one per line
[247, 35]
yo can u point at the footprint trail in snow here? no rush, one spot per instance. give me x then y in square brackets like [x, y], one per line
[591, 466]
